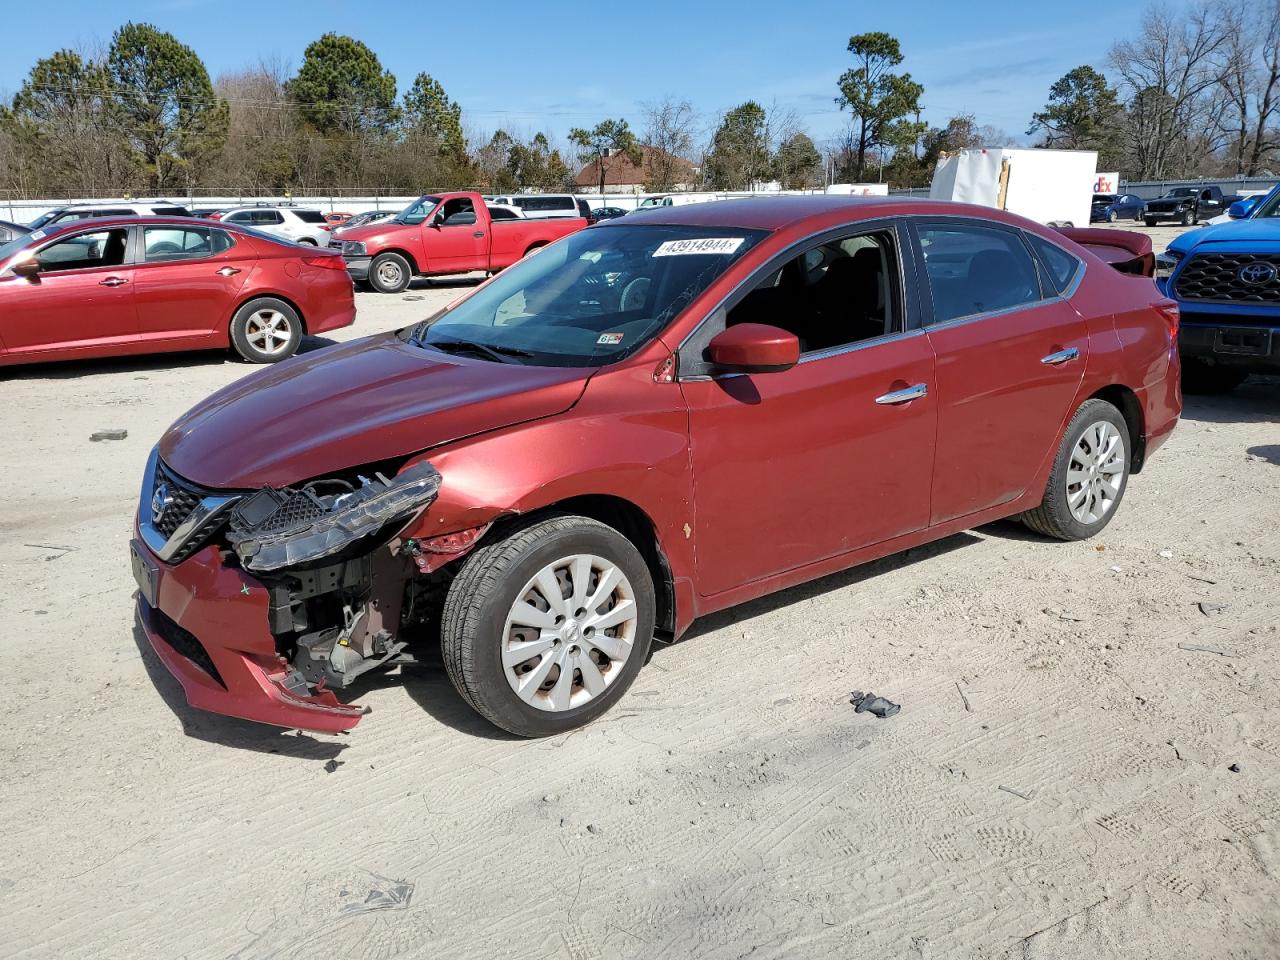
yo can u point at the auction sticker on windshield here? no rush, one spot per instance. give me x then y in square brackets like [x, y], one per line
[679, 248]
[610, 338]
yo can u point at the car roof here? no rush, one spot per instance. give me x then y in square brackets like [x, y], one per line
[775, 213]
[98, 223]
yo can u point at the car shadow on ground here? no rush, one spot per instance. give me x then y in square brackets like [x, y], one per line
[1257, 400]
[144, 363]
[229, 731]
[1269, 452]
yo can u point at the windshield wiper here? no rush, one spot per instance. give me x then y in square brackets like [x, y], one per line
[498, 353]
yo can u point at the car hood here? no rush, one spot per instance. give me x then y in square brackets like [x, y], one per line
[378, 233]
[353, 404]
[1237, 231]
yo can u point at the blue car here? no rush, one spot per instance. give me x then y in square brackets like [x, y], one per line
[1226, 279]
[1115, 207]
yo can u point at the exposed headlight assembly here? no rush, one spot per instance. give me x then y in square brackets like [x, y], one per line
[274, 529]
[353, 248]
[1166, 263]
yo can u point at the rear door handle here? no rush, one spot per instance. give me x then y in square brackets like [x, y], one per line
[478, 234]
[112, 282]
[229, 271]
[1062, 356]
[905, 395]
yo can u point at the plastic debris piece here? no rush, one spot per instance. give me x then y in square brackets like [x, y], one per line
[1234, 768]
[870, 703]
[1205, 648]
[1210, 609]
[1016, 793]
[333, 765]
[117, 434]
[383, 894]
[1167, 554]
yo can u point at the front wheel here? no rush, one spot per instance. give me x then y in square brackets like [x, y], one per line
[266, 330]
[1149, 221]
[1188, 218]
[389, 273]
[544, 629]
[1113, 217]
[1089, 475]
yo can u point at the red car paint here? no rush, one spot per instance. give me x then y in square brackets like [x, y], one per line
[750, 484]
[139, 307]
[433, 249]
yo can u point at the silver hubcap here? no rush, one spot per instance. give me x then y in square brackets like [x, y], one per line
[1095, 473]
[389, 273]
[268, 331]
[569, 633]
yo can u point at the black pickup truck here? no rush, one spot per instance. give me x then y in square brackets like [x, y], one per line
[1187, 205]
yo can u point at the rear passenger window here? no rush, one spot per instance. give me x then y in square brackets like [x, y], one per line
[1060, 265]
[975, 269]
[182, 243]
[309, 216]
[832, 295]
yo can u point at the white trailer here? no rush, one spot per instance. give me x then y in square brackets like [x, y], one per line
[1048, 186]
[858, 189]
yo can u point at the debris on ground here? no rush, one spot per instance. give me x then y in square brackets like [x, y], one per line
[870, 703]
[333, 765]
[373, 892]
[595, 828]
[1196, 576]
[108, 435]
[1234, 768]
[963, 698]
[1205, 648]
[1167, 554]
[1211, 609]
[1016, 793]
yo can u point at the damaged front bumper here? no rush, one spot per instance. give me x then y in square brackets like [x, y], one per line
[208, 624]
[262, 603]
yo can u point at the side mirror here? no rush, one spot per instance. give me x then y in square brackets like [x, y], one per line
[754, 348]
[1237, 211]
[437, 219]
[28, 268]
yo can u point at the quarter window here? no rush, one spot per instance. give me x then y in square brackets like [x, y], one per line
[975, 269]
[1060, 265]
[84, 251]
[162, 244]
[837, 293]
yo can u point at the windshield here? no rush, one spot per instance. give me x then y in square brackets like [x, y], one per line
[417, 211]
[7, 250]
[593, 298]
[44, 218]
[1270, 207]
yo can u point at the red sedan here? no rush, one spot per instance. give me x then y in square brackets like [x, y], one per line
[152, 284]
[651, 420]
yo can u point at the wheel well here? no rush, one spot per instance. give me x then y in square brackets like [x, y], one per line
[1126, 401]
[260, 295]
[536, 245]
[413, 264]
[634, 524]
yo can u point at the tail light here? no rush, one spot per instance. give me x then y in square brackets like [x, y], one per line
[329, 262]
[1169, 310]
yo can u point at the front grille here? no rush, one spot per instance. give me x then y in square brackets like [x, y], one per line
[183, 496]
[1216, 277]
[183, 641]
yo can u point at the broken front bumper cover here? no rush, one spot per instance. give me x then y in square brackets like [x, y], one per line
[208, 626]
[275, 529]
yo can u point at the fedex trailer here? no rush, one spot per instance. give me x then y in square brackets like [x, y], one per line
[1049, 186]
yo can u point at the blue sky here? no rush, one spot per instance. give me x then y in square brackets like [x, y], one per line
[555, 64]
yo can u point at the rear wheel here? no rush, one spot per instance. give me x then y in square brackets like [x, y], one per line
[1113, 217]
[544, 629]
[1089, 475]
[1207, 378]
[389, 273]
[1149, 221]
[266, 330]
[1188, 218]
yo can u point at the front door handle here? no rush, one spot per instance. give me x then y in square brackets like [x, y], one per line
[905, 395]
[478, 234]
[228, 271]
[112, 282]
[1062, 356]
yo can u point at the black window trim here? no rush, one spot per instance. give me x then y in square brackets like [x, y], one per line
[129, 243]
[691, 366]
[1076, 278]
[925, 291]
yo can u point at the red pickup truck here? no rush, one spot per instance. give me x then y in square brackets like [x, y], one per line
[439, 234]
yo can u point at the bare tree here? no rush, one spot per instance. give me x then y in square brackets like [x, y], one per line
[669, 129]
[1250, 88]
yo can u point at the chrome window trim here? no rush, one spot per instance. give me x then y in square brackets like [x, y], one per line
[206, 509]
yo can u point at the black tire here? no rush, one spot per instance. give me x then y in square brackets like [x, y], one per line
[1113, 217]
[389, 273]
[1053, 518]
[1149, 221]
[1137, 216]
[1188, 218]
[1208, 379]
[246, 327]
[482, 595]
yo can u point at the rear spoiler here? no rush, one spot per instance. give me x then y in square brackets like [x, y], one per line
[1125, 250]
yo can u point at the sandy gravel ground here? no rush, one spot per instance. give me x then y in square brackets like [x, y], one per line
[1087, 761]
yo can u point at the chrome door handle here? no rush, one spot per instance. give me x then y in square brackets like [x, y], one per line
[1062, 356]
[228, 271]
[112, 282]
[905, 395]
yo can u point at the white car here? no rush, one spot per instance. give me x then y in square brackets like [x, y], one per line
[537, 206]
[85, 211]
[288, 223]
[1254, 195]
[504, 211]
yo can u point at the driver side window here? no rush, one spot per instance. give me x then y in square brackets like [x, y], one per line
[85, 251]
[458, 212]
